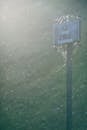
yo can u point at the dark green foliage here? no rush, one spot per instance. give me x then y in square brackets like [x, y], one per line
[33, 74]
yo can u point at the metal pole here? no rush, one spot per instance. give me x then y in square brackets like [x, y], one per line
[69, 88]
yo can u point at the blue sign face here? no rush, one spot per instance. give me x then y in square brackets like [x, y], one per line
[68, 32]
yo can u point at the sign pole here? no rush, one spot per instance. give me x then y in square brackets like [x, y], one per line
[69, 88]
[67, 31]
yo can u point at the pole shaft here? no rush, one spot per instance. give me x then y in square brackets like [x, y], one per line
[69, 88]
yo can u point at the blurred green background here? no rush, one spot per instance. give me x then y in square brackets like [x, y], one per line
[32, 73]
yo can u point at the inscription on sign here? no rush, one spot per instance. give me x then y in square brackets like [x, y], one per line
[67, 32]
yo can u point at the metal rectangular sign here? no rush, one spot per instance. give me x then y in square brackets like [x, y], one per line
[67, 32]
